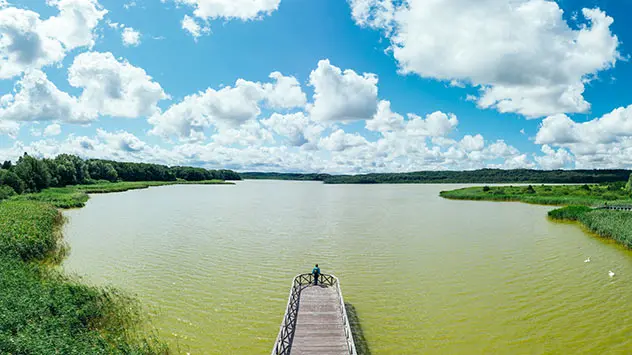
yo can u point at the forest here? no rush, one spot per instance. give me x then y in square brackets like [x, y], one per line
[30, 174]
[467, 177]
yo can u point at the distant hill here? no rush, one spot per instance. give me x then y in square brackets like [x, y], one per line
[481, 176]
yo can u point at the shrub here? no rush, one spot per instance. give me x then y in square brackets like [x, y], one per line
[6, 192]
[486, 188]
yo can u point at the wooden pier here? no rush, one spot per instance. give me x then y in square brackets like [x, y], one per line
[315, 320]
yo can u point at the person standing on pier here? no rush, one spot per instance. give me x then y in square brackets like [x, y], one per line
[316, 273]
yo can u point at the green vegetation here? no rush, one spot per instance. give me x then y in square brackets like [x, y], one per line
[77, 196]
[45, 312]
[616, 225]
[580, 200]
[472, 177]
[628, 186]
[585, 195]
[31, 175]
[569, 213]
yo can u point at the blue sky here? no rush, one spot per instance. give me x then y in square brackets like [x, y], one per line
[360, 85]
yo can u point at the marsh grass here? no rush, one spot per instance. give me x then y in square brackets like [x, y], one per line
[76, 196]
[559, 195]
[579, 200]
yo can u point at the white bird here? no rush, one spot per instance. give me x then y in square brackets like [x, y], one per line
[611, 273]
[587, 260]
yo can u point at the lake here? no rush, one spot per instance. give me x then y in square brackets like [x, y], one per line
[213, 265]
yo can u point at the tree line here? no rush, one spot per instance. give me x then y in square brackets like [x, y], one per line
[30, 174]
[471, 176]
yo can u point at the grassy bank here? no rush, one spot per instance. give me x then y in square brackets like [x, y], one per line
[616, 225]
[579, 200]
[77, 195]
[582, 195]
[43, 311]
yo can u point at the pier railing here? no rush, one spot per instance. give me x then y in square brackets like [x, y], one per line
[283, 344]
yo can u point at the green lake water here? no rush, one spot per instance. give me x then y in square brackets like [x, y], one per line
[426, 275]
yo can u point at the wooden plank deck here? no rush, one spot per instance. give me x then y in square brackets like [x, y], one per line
[315, 320]
[319, 325]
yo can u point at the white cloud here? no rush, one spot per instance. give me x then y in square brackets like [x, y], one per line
[231, 9]
[130, 4]
[38, 99]
[190, 25]
[296, 127]
[23, 44]
[27, 42]
[339, 141]
[554, 159]
[52, 130]
[9, 128]
[436, 124]
[114, 88]
[248, 134]
[75, 23]
[226, 108]
[522, 53]
[472, 143]
[286, 92]
[340, 96]
[121, 140]
[130, 37]
[604, 142]
[384, 119]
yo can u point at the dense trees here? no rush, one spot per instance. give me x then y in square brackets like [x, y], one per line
[473, 176]
[30, 174]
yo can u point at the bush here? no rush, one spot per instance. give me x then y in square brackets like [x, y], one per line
[486, 188]
[6, 192]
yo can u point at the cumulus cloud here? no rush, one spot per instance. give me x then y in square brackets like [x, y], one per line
[297, 128]
[341, 96]
[285, 92]
[130, 37]
[521, 53]
[226, 108]
[52, 130]
[112, 87]
[28, 42]
[554, 159]
[192, 26]
[109, 88]
[603, 142]
[231, 9]
[9, 128]
[38, 99]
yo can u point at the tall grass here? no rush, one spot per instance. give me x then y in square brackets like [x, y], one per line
[569, 213]
[44, 312]
[616, 225]
[560, 195]
[76, 196]
[578, 199]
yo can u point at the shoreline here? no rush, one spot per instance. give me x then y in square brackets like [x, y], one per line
[49, 309]
[578, 201]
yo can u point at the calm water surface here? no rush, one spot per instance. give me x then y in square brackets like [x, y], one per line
[426, 275]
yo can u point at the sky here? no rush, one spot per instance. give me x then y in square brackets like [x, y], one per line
[328, 86]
